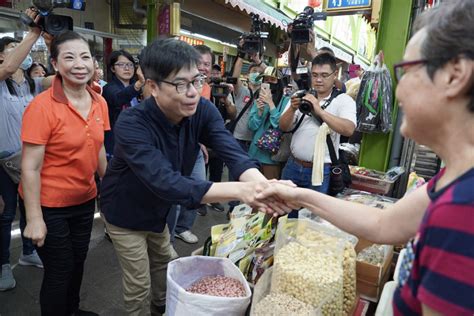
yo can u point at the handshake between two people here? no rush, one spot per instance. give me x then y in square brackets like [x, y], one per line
[273, 197]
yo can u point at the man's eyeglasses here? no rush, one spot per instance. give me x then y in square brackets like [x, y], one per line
[401, 68]
[323, 75]
[183, 87]
[125, 65]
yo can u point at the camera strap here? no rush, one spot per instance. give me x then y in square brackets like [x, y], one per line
[245, 109]
[332, 152]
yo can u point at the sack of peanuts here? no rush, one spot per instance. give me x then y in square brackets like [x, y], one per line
[309, 265]
[200, 285]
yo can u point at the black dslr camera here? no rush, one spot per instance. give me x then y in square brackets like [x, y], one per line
[220, 90]
[305, 107]
[303, 23]
[253, 41]
[304, 84]
[49, 22]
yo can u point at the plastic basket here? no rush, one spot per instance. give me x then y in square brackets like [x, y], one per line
[370, 184]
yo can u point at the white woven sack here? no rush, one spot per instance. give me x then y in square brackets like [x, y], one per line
[183, 272]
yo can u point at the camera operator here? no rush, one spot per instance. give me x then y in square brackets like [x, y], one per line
[309, 51]
[339, 115]
[225, 104]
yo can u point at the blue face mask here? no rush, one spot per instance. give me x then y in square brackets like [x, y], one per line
[26, 64]
[253, 78]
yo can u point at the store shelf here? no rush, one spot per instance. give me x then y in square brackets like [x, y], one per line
[426, 162]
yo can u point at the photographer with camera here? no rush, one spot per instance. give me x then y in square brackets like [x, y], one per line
[221, 94]
[16, 91]
[308, 51]
[244, 98]
[327, 105]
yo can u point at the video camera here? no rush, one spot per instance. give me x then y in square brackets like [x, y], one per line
[219, 89]
[253, 41]
[49, 22]
[304, 86]
[303, 23]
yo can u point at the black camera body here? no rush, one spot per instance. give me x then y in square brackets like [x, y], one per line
[52, 23]
[219, 89]
[303, 23]
[253, 41]
[305, 106]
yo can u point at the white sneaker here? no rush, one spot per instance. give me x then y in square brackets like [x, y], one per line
[188, 237]
[174, 254]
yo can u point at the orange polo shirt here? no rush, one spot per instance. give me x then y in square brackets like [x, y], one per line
[206, 91]
[72, 144]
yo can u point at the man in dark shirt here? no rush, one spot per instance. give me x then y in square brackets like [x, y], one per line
[156, 145]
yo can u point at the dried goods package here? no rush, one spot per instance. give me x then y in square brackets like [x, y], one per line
[315, 264]
[183, 272]
[265, 303]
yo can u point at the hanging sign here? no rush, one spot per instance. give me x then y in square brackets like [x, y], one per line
[346, 6]
[163, 24]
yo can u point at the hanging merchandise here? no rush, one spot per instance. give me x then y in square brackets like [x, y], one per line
[374, 100]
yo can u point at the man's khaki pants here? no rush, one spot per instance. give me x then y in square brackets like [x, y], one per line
[144, 258]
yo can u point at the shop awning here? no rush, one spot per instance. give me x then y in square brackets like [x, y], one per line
[265, 12]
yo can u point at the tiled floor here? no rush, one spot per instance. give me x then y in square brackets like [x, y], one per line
[101, 287]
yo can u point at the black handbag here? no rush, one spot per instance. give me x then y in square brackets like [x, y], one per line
[340, 176]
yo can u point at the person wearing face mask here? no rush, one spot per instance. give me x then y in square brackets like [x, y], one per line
[434, 88]
[265, 115]
[244, 98]
[16, 91]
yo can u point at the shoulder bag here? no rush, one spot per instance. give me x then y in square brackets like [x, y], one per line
[12, 166]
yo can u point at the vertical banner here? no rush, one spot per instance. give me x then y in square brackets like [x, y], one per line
[164, 18]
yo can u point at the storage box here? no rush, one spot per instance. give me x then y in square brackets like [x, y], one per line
[371, 184]
[371, 278]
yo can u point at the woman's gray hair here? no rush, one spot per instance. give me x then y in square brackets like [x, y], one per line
[449, 35]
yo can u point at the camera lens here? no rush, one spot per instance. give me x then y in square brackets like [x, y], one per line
[56, 24]
[305, 107]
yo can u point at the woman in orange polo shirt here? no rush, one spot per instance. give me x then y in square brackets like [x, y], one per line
[63, 135]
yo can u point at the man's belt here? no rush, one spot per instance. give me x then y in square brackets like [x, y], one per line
[306, 164]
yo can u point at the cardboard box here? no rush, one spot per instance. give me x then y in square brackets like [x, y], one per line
[371, 278]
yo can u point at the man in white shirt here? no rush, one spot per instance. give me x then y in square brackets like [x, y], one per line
[339, 114]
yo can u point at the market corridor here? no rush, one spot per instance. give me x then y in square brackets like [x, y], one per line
[102, 286]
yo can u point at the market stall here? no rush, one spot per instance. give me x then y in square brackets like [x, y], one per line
[305, 266]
